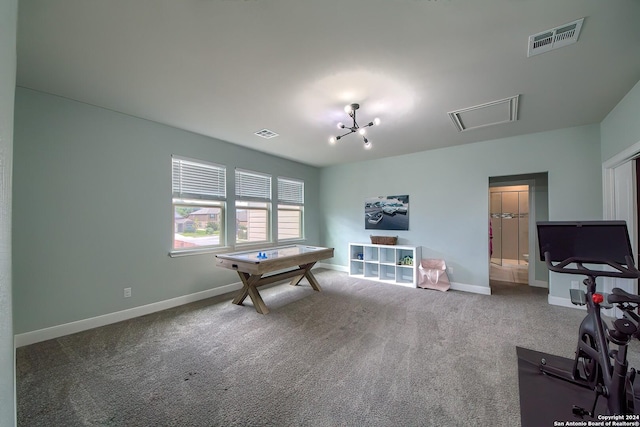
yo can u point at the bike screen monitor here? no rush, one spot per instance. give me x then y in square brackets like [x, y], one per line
[585, 240]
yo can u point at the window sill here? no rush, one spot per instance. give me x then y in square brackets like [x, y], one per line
[203, 251]
[243, 247]
[250, 246]
[291, 242]
[268, 245]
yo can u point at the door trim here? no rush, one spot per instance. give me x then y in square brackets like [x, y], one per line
[609, 205]
[609, 187]
[532, 224]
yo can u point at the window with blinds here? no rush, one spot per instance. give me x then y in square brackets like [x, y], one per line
[199, 192]
[290, 209]
[198, 180]
[253, 207]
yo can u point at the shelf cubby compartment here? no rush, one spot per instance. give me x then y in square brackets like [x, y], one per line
[356, 268]
[401, 253]
[371, 253]
[371, 269]
[357, 252]
[388, 272]
[405, 275]
[388, 256]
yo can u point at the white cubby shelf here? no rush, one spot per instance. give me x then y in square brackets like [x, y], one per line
[382, 263]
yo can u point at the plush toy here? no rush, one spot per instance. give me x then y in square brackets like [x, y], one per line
[407, 260]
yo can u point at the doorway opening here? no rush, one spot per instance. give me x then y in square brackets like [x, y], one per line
[509, 225]
[516, 202]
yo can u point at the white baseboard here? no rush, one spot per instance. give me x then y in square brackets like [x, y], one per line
[564, 302]
[335, 267]
[57, 331]
[454, 285]
[539, 284]
[471, 288]
[107, 319]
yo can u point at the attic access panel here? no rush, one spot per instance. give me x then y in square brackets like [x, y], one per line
[491, 113]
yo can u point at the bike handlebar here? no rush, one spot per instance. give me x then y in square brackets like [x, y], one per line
[625, 272]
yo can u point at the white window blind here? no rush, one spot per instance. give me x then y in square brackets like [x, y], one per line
[198, 180]
[290, 191]
[252, 186]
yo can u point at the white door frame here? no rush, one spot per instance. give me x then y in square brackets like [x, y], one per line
[616, 198]
[609, 188]
[532, 223]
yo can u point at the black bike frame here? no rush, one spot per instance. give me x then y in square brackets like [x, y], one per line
[613, 376]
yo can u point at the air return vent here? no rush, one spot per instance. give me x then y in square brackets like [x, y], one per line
[266, 134]
[554, 38]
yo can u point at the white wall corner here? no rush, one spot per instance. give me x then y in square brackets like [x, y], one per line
[484, 290]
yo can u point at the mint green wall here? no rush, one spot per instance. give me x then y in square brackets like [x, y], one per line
[621, 128]
[449, 200]
[8, 25]
[92, 202]
[93, 215]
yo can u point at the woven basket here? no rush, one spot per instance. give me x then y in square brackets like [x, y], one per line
[384, 240]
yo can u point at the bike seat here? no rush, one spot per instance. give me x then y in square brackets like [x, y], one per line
[618, 296]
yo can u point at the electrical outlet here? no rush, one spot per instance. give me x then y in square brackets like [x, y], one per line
[127, 292]
[575, 284]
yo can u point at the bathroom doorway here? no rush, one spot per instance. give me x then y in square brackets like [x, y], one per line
[509, 233]
[516, 202]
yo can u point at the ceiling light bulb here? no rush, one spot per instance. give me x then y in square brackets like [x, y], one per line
[376, 121]
[362, 131]
[367, 145]
[332, 140]
[340, 125]
[348, 109]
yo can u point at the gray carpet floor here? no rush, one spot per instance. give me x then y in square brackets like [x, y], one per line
[359, 353]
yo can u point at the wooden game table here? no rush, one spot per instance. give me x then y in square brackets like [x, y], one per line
[253, 268]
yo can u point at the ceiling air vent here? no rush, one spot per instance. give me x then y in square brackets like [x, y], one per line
[266, 134]
[554, 38]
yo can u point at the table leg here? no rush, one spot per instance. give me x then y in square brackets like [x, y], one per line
[306, 272]
[249, 288]
[244, 292]
[296, 279]
[312, 280]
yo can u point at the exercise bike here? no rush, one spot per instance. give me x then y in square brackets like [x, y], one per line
[597, 249]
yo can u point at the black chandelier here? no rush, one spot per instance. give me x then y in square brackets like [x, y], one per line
[351, 111]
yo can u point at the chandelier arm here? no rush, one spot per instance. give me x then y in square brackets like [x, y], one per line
[348, 133]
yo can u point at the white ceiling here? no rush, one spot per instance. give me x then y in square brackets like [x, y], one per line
[228, 68]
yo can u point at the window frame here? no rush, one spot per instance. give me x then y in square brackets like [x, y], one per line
[254, 188]
[290, 199]
[193, 186]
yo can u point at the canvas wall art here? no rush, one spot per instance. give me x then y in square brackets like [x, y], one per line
[386, 213]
